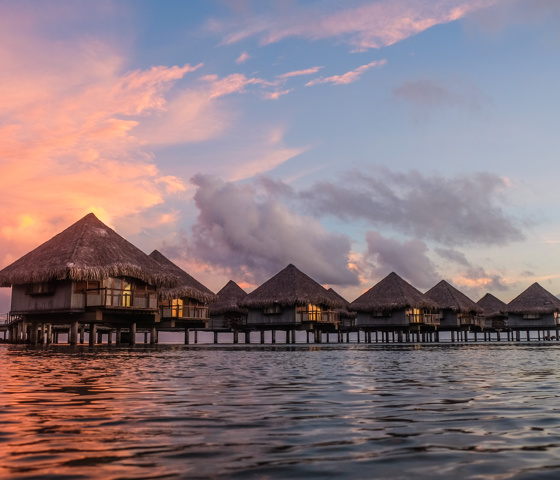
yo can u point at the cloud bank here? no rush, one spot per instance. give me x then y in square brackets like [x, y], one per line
[252, 235]
[461, 210]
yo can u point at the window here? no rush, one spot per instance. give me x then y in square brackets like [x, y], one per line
[309, 313]
[531, 316]
[82, 286]
[274, 309]
[40, 288]
[381, 313]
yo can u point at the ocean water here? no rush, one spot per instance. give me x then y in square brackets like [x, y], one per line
[350, 411]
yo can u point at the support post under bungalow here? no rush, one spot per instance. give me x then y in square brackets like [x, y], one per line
[187, 335]
[48, 334]
[236, 336]
[273, 336]
[34, 334]
[82, 333]
[247, 336]
[110, 336]
[262, 336]
[118, 336]
[215, 336]
[92, 333]
[74, 333]
[196, 335]
[132, 331]
[153, 336]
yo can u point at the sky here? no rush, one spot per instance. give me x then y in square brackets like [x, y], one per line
[351, 138]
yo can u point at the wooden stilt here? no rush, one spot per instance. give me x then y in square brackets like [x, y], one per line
[73, 333]
[247, 337]
[110, 336]
[132, 331]
[82, 334]
[153, 336]
[236, 336]
[92, 333]
[196, 335]
[118, 336]
[273, 336]
[262, 336]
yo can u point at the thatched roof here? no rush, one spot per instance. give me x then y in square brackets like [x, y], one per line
[287, 288]
[188, 287]
[228, 297]
[492, 306]
[87, 250]
[343, 312]
[392, 293]
[535, 300]
[448, 297]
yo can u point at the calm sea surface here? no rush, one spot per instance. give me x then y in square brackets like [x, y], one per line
[488, 411]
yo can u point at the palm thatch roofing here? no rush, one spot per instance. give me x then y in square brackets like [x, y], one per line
[448, 297]
[290, 287]
[87, 250]
[492, 306]
[392, 293]
[343, 312]
[228, 297]
[188, 287]
[534, 300]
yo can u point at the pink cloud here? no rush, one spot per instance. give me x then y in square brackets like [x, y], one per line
[296, 73]
[348, 77]
[365, 26]
[243, 58]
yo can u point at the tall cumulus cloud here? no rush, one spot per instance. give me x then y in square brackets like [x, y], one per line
[251, 234]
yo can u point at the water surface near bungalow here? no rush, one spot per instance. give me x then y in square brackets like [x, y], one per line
[278, 411]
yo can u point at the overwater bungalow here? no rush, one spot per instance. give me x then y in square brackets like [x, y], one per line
[225, 312]
[291, 300]
[493, 313]
[87, 275]
[347, 317]
[186, 304]
[394, 304]
[458, 312]
[533, 309]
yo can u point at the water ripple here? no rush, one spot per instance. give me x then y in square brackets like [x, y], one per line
[331, 411]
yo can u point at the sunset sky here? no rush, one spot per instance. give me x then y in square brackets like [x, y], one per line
[350, 138]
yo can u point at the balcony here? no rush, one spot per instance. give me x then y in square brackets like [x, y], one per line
[187, 312]
[118, 298]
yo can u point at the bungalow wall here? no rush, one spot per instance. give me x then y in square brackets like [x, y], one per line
[57, 296]
[449, 319]
[227, 320]
[398, 318]
[518, 321]
[287, 316]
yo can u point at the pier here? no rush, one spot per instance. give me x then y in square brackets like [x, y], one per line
[15, 330]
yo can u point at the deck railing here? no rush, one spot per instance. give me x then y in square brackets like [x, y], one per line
[474, 321]
[424, 318]
[324, 316]
[186, 311]
[114, 297]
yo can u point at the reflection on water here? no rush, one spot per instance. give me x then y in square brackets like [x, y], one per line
[330, 411]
